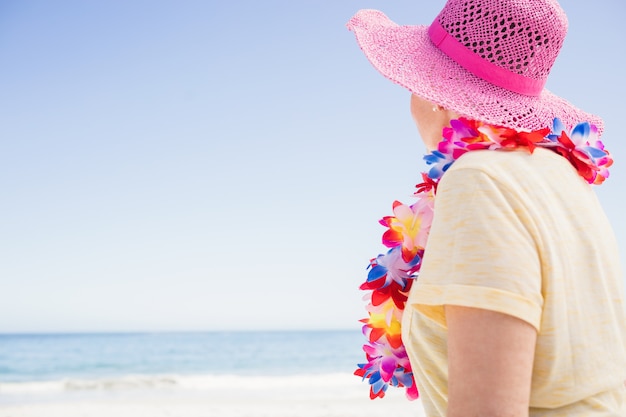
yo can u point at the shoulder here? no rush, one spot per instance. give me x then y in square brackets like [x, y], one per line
[490, 161]
[519, 171]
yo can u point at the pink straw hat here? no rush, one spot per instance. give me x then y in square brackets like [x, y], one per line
[484, 59]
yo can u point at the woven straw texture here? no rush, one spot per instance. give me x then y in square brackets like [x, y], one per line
[515, 35]
[524, 37]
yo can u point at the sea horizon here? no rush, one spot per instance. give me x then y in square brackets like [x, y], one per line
[113, 331]
[187, 366]
[41, 356]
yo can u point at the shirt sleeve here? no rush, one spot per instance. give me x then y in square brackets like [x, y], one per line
[482, 251]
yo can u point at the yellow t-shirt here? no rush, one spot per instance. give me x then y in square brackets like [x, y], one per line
[525, 235]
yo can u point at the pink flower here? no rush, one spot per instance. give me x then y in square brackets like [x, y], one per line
[408, 227]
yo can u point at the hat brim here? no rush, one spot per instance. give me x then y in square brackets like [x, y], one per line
[406, 56]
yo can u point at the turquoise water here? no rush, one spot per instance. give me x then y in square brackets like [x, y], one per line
[48, 357]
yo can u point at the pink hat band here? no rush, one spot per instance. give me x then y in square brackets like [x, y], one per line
[481, 67]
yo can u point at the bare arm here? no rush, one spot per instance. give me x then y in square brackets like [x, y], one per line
[490, 359]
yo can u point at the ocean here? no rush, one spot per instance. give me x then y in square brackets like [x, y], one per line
[41, 367]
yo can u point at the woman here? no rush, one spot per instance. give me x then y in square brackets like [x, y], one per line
[518, 309]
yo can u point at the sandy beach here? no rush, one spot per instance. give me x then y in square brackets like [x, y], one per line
[205, 396]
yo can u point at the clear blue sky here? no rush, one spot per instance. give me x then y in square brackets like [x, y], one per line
[199, 165]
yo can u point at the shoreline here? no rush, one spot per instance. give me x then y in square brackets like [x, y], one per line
[329, 395]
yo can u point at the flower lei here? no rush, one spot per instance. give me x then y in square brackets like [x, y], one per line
[391, 274]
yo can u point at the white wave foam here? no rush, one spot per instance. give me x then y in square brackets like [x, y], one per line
[42, 387]
[186, 382]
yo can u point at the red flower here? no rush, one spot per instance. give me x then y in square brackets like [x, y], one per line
[580, 160]
[513, 139]
[427, 185]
